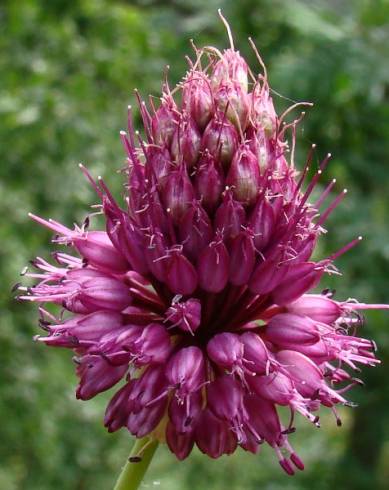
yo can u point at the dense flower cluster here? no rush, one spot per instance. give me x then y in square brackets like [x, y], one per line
[195, 296]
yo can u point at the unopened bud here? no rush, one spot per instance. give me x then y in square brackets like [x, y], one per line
[178, 193]
[243, 176]
[299, 279]
[213, 267]
[197, 98]
[185, 315]
[260, 146]
[186, 370]
[209, 425]
[96, 375]
[226, 350]
[152, 346]
[230, 216]
[221, 139]
[255, 353]
[163, 123]
[181, 276]
[155, 252]
[266, 276]
[209, 181]
[232, 100]
[288, 330]
[233, 68]
[96, 247]
[195, 230]
[92, 291]
[262, 223]
[320, 308]
[186, 142]
[263, 113]
[160, 162]
[242, 258]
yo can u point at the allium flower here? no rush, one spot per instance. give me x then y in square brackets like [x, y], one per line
[195, 300]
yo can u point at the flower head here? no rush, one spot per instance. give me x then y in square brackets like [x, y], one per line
[195, 300]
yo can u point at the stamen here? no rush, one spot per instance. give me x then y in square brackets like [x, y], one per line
[228, 29]
[107, 191]
[90, 179]
[128, 147]
[293, 125]
[335, 203]
[51, 224]
[254, 48]
[346, 248]
[366, 306]
[324, 194]
[338, 419]
[146, 118]
[130, 126]
[291, 108]
[306, 168]
[314, 180]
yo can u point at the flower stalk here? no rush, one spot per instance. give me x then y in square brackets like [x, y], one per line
[138, 462]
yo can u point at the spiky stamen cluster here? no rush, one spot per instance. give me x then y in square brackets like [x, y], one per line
[195, 296]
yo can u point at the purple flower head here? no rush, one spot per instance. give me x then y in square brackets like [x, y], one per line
[195, 300]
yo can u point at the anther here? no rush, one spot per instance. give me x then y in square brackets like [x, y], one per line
[15, 287]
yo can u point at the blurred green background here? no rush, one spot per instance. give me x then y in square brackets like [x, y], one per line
[67, 72]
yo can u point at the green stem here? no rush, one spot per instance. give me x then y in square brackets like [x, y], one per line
[135, 468]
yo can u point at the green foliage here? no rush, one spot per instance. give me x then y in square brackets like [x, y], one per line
[67, 71]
